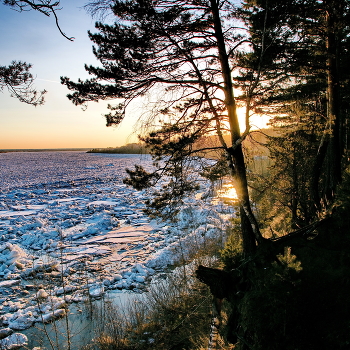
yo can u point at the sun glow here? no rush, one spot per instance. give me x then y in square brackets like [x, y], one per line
[227, 193]
[256, 121]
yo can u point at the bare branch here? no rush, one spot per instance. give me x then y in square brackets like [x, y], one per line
[46, 7]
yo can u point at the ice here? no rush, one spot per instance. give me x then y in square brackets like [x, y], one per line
[41, 294]
[5, 332]
[9, 283]
[21, 320]
[141, 269]
[65, 289]
[13, 341]
[117, 277]
[12, 258]
[8, 213]
[103, 203]
[96, 291]
[140, 279]
[66, 218]
[50, 316]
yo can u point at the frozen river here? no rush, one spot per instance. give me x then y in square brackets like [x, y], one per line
[59, 169]
[70, 230]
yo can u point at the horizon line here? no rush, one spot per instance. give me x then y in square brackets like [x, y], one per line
[43, 149]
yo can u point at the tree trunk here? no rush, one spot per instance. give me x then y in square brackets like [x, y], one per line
[295, 192]
[250, 230]
[330, 150]
[333, 175]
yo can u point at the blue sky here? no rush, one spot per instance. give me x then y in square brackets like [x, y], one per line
[34, 38]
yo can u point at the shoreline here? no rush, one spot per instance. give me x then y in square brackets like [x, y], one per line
[44, 150]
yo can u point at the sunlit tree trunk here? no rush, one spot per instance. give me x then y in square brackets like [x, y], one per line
[250, 229]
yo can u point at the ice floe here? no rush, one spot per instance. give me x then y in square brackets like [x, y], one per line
[13, 341]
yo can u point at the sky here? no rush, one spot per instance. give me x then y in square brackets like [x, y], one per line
[34, 38]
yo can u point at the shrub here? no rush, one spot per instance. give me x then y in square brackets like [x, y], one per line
[173, 314]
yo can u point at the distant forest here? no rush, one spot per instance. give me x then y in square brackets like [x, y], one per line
[255, 144]
[130, 148]
[42, 150]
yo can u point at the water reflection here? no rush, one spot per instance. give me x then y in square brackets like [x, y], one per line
[84, 322]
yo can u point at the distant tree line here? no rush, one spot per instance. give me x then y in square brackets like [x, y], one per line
[130, 148]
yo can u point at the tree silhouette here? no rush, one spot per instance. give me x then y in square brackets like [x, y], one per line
[19, 81]
[17, 77]
[304, 85]
[186, 50]
[190, 55]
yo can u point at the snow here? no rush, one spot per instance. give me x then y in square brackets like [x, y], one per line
[96, 291]
[7, 213]
[14, 341]
[71, 230]
[49, 317]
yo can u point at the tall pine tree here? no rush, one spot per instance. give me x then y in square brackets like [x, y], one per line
[186, 48]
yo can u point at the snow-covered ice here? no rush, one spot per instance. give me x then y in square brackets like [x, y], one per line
[70, 229]
[13, 341]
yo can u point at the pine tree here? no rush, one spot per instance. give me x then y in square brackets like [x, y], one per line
[18, 80]
[304, 50]
[187, 49]
[281, 290]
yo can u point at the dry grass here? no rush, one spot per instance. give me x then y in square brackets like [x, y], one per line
[174, 314]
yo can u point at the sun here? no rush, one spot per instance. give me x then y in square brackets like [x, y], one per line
[257, 121]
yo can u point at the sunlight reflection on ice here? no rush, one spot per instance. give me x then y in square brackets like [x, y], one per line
[227, 193]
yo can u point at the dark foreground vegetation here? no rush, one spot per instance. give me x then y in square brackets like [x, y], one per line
[293, 293]
[174, 314]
